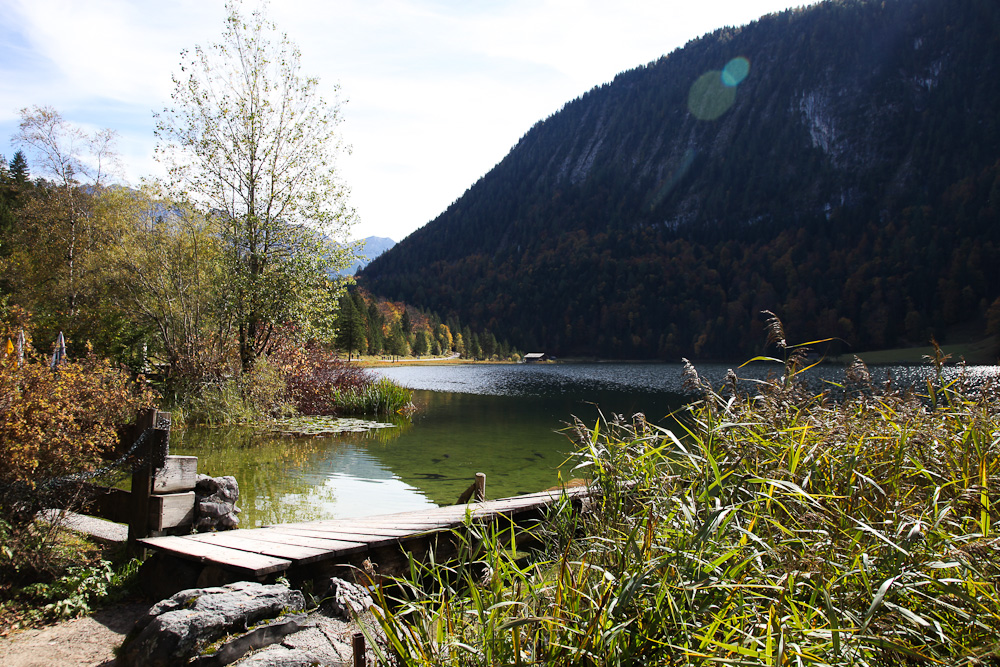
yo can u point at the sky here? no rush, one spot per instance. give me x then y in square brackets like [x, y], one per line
[434, 93]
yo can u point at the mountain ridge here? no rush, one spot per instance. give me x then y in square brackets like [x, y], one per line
[649, 218]
[369, 248]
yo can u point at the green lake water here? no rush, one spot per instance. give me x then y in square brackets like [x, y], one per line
[503, 420]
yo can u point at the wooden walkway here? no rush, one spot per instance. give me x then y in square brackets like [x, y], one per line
[260, 552]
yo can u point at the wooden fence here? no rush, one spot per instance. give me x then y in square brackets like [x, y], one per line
[162, 496]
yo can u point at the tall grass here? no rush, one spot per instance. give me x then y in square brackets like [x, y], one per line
[773, 527]
[380, 397]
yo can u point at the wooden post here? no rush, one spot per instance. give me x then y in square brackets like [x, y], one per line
[480, 487]
[476, 490]
[358, 644]
[154, 453]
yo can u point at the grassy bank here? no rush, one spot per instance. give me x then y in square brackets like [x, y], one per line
[775, 527]
[980, 352]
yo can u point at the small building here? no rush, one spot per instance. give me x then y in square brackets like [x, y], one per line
[533, 357]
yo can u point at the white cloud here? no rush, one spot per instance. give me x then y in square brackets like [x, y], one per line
[439, 90]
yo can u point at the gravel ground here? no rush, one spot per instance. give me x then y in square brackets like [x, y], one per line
[89, 641]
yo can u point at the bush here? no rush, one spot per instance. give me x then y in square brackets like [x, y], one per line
[314, 377]
[307, 381]
[57, 422]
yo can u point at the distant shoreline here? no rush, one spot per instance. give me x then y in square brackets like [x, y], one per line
[985, 352]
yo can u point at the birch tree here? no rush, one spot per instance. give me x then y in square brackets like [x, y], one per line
[58, 233]
[250, 139]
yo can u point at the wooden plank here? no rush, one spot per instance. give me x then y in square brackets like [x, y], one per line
[256, 564]
[367, 540]
[356, 529]
[142, 482]
[381, 527]
[179, 473]
[337, 546]
[108, 503]
[171, 510]
[292, 552]
[275, 548]
[375, 531]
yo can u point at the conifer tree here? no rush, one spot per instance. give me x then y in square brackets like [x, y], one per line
[350, 327]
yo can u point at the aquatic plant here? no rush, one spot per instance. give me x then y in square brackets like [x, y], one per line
[325, 425]
[381, 397]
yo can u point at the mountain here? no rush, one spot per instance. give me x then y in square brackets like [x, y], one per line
[839, 165]
[370, 248]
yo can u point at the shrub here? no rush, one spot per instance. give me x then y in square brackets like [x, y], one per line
[54, 425]
[57, 422]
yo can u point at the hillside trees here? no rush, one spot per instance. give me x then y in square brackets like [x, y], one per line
[623, 226]
[250, 139]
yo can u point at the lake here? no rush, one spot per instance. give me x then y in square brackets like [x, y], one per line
[501, 419]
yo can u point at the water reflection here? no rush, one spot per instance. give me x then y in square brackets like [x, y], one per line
[284, 479]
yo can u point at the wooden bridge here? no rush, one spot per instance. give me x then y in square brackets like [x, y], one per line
[315, 549]
[162, 500]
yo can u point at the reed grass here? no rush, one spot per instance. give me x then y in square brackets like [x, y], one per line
[771, 527]
[381, 397]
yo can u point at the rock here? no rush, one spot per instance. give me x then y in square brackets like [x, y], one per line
[177, 629]
[215, 503]
[280, 656]
[320, 646]
[345, 600]
[260, 637]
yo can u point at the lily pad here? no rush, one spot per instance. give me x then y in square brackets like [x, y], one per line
[319, 425]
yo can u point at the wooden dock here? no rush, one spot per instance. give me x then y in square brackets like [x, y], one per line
[325, 548]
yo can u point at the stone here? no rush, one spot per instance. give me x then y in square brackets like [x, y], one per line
[346, 600]
[281, 656]
[177, 629]
[215, 503]
[259, 637]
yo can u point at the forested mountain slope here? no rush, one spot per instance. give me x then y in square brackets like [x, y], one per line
[839, 165]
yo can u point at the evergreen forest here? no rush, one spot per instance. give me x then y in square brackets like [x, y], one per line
[837, 164]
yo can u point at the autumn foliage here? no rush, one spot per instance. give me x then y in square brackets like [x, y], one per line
[313, 377]
[55, 422]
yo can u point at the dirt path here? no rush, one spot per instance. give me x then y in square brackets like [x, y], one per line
[84, 642]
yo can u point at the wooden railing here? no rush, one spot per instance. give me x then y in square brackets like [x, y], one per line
[162, 496]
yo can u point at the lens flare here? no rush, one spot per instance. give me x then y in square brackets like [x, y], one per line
[709, 98]
[735, 71]
[714, 92]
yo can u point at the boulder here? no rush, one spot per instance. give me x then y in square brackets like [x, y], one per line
[281, 656]
[177, 629]
[215, 503]
[313, 646]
